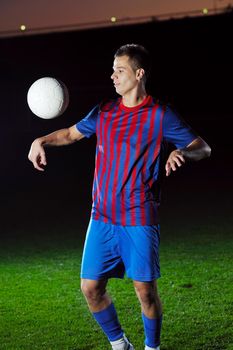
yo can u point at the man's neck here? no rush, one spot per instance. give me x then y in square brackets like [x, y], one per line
[134, 99]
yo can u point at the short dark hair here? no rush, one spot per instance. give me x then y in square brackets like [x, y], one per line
[138, 55]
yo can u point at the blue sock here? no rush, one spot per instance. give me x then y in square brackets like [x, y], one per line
[152, 329]
[108, 321]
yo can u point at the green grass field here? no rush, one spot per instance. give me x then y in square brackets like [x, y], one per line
[41, 306]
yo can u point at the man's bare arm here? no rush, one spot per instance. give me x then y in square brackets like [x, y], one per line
[196, 150]
[57, 138]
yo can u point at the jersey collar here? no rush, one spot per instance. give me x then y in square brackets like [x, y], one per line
[147, 100]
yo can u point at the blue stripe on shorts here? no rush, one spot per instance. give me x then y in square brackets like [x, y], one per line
[113, 250]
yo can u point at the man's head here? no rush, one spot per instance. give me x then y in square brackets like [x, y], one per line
[130, 69]
[138, 57]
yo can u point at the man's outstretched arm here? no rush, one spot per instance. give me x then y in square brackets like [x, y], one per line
[196, 150]
[57, 138]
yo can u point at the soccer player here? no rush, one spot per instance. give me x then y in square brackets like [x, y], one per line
[123, 234]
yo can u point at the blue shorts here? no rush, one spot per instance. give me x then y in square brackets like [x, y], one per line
[113, 250]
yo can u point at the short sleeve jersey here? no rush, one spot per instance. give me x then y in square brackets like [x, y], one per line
[129, 141]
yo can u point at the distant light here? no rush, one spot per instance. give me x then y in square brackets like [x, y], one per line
[113, 19]
[22, 27]
[205, 11]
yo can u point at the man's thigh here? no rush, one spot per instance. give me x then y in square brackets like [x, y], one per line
[101, 254]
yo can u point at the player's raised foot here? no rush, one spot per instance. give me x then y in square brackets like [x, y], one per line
[122, 344]
[148, 348]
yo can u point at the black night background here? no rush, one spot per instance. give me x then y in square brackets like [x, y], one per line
[192, 70]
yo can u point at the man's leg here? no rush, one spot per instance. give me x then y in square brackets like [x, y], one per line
[104, 312]
[147, 293]
[95, 294]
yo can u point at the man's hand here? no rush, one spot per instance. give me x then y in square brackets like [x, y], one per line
[60, 137]
[196, 150]
[175, 159]
[37, 155]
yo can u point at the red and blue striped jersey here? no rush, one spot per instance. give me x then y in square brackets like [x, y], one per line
[129, 141]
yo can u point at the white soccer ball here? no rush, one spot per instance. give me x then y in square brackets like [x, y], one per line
[48, 98]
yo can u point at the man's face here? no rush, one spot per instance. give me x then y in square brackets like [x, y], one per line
[124, 77]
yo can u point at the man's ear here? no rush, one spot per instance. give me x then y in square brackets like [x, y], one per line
[140, 73]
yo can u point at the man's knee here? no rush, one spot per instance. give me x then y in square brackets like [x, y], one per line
[93, 290]
[147, 292]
